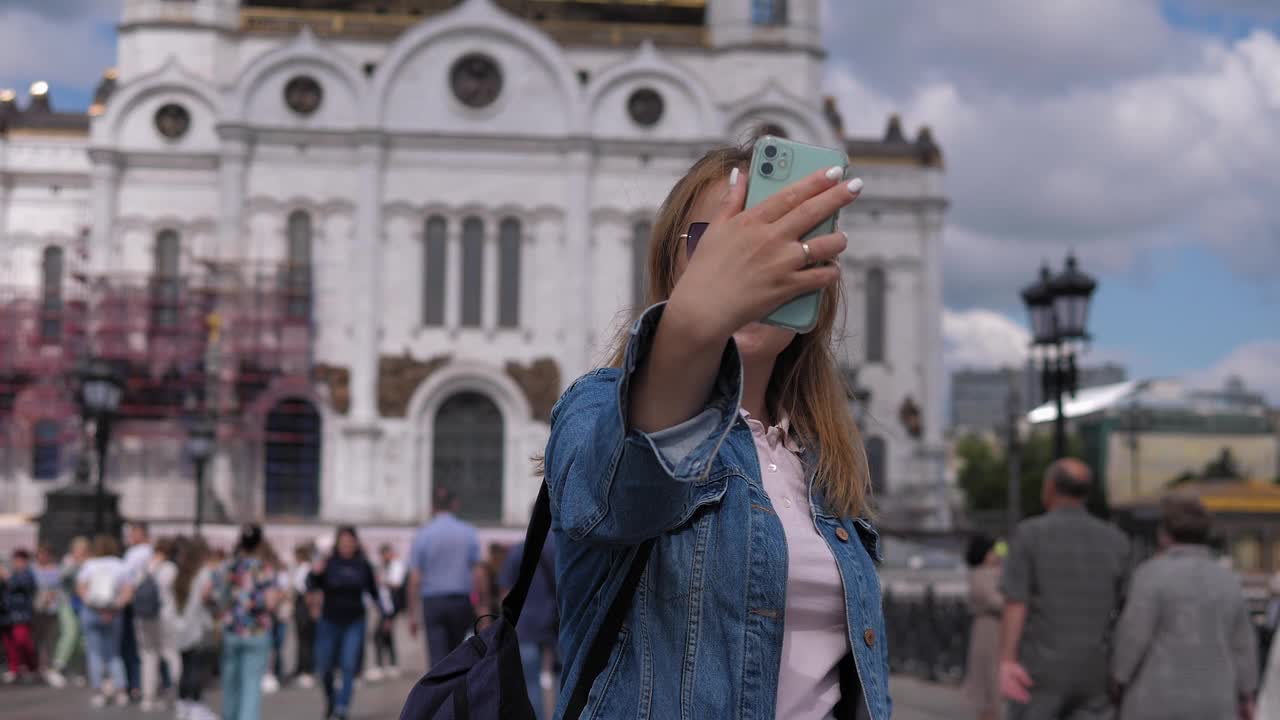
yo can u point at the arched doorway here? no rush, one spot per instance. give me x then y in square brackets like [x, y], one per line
[467, 457]
[291, 459]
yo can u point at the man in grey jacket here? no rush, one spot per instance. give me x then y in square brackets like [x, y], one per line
[1062, 584]
[1185, 648]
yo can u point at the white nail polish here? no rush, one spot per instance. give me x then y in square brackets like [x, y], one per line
[855, 186]
[835, 173]
[733, 177]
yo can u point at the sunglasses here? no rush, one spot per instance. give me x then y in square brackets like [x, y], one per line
[693, 235]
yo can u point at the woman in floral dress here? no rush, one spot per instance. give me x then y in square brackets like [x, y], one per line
[248, 595]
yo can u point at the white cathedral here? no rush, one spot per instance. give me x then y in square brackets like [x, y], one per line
[377, 238]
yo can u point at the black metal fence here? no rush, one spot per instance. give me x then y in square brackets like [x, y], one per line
[929, 635]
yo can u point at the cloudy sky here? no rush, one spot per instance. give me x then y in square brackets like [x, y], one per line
[1144, 135]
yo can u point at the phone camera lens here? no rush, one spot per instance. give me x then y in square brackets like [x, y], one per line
[770, 151]
[766, 169]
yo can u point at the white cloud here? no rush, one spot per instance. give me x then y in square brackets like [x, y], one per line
[1137, 158]
[1257, 363]
[982, 339]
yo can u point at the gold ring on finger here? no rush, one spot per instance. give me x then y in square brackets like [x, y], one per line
[808, 255]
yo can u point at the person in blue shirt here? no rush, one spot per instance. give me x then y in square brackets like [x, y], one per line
[445, 551]
[538, 620]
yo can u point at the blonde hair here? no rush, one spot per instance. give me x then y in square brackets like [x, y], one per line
[806, 385]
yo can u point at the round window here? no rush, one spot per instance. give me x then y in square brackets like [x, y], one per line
[476, 80]
[173, 121]
[645, 106]
[303, 94]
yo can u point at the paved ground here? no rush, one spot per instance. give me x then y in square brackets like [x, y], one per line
[913, 701]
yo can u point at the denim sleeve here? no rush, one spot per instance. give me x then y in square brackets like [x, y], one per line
[614, 484]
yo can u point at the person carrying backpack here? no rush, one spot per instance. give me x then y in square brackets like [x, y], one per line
[154, 613]
[102, 588]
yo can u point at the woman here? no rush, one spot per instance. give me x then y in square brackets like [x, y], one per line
[730, 442]
[248, 595]
[304, 615]
[103, 591]
[1184, 645]
[343, 579]
[155, 634]
[49, 599]
[192, 624]
[981, 682]
[69, 612]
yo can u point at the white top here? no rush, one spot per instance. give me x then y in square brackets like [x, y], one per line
[110, 565]
[394, 572]
[815, 637]
[164, 574]
[136, 560]
[300, 573]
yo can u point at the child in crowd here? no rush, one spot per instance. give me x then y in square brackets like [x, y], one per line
[20, 598]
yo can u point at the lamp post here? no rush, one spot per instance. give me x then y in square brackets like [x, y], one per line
[1059, 308]
[100, 392]
[202, 439]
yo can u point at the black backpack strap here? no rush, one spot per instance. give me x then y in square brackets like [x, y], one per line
[602, 644]
[534, 538]
[597, 656]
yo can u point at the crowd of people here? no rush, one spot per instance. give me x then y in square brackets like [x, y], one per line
[159, 621]
[1065, 627]
[153, 625]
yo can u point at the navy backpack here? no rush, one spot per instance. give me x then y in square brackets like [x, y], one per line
[483, 678]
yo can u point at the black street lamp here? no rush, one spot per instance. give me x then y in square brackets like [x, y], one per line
[1059, 310]
[202, 441]
[101, 390]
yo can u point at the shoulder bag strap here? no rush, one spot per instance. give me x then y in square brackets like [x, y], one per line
[602, 644]
[534, 537]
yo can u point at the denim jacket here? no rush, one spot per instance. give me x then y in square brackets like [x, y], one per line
[703, 638]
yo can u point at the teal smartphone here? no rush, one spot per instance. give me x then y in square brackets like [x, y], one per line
[776, 163]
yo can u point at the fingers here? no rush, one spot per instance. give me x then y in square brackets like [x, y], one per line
[815, 210]
[822, 248]
[735, 197]
[810, 279]
[791, 197]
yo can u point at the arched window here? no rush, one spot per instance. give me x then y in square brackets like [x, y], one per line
[875, 315]
[46, 450]
[472, 272]
[297, 277]
[51, 295]
[876, 463]
[640, 234]
[164, 281]
[291, 459]
[769, 12]
[509, 273]
[433, 253]
[467, 457]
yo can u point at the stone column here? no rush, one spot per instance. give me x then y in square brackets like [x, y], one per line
[489, 280]
[452, 275]
[233, 242]
[931, 348]
[578, 245]
[105, 187]
[357, 499]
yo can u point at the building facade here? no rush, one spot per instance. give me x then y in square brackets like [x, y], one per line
[980, 399]
[377, 239]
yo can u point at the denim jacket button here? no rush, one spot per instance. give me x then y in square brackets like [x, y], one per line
[870, 637]
[843, 535]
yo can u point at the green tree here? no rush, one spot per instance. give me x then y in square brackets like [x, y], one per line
[984, 474]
